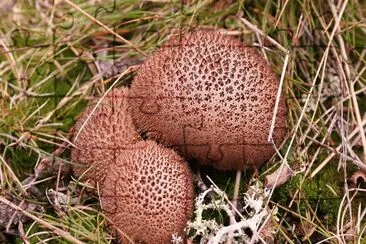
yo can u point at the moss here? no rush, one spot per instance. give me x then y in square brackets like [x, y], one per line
[315, 192]
[20, 120]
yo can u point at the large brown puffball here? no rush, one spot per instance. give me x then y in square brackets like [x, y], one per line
[101, 130]
[210, 97]
[148, 195]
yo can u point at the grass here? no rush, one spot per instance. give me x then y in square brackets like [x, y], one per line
[49, 57]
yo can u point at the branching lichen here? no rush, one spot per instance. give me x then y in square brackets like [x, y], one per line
[244, 230]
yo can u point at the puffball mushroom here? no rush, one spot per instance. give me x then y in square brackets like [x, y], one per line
[210, 97]
[108, 128]
[148, 194]
[146, 189]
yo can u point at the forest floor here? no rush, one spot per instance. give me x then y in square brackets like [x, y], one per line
[55, 55]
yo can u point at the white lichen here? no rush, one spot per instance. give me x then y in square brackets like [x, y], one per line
[252, 216]
[176, 239]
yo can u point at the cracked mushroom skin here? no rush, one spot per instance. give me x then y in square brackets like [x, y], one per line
[108, 129]
[148, 195]
[211, 98]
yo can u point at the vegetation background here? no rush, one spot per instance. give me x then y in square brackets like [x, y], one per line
[55, 55]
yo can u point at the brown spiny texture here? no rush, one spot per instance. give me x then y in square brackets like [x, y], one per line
[148, 195]
[108, 129]
[210, 97]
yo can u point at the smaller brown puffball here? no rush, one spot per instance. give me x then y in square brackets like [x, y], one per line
[146, 189]
[148, 194]
[108, 128]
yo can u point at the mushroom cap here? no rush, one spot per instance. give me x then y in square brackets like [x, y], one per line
[148, 195]
[210, 97]
[108, 129]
